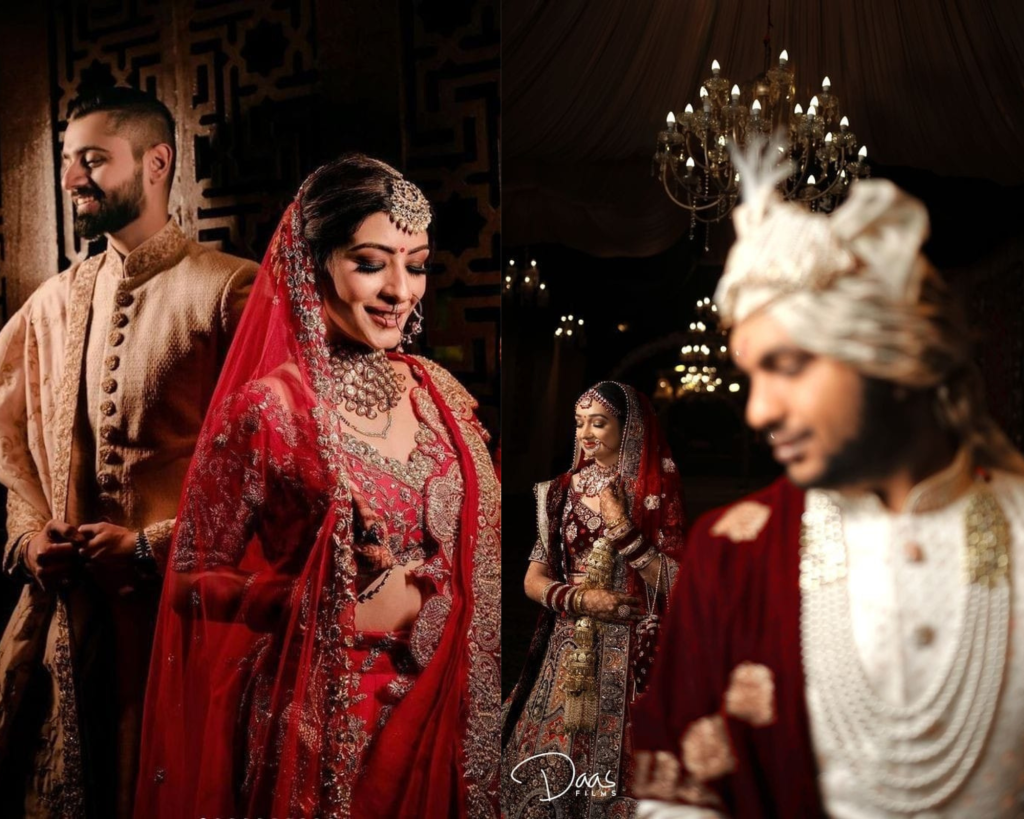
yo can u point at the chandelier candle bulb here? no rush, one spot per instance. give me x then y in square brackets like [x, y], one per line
[826, 84]
[735, 93]
[812, 111]
[783, 58]
[715, 68]
[703, 92]
[688, 109]
[828, 138]
[689, 165]
[863, 152]
[844, 123]
[814, 103]
[670, 121]
[811, 180]
[755, 109]
[798, 110]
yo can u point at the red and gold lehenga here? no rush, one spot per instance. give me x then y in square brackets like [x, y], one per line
[540, 757]
[264, 699]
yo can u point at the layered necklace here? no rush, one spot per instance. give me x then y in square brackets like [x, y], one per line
[593, 477]
[908, 758]
[365, 383]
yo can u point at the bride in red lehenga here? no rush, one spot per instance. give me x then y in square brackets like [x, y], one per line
[328, 638]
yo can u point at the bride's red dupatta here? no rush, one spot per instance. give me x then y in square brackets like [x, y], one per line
[251, 707]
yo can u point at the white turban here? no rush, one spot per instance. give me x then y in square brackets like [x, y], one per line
[856, 287]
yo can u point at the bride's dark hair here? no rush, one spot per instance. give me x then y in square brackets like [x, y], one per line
[613, 394]
[341, 195]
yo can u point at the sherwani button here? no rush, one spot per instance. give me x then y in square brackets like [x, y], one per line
[108, 408]
[112, 362]
[108, 433]
[107, 481]
[109, 385]
[116, 338]
[109, 456]
[914, 552]
[123, 299]
[119, 319]
[923, 636]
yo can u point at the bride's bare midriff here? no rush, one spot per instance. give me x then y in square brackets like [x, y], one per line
[396, 606]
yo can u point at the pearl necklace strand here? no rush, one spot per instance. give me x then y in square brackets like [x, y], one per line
[914, 757]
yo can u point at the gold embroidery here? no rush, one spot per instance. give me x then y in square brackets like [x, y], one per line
[705, 749]
[743, 522]
[482, 754]
[444, 503]
[428, 628]
[988, 541]
[71, 785]
[751, 694]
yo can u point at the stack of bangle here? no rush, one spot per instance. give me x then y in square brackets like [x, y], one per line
[631, 545]
[618, 530]
[644, 555]
[563, 597]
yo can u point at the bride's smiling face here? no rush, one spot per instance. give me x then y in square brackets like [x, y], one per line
[599, 434]
[374, 282]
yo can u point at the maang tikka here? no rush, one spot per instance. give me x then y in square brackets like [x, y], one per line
[408, 208]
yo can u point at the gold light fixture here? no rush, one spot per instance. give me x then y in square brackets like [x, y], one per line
[692, 157]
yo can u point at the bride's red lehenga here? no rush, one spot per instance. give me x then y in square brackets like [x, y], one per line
[264, 699]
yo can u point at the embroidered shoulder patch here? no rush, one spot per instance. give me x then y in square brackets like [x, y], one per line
[742, 522]
[707, 753]
[751, 694]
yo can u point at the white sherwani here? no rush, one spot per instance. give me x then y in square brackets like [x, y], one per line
[907, 594]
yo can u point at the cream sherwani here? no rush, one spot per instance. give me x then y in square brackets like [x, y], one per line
[105, 376]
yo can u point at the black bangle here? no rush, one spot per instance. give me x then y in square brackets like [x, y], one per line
[144, 558]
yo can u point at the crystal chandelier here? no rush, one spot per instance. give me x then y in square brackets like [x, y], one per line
[704, 365]
[692, 158]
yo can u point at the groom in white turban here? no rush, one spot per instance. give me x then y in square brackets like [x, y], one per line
[839, 643]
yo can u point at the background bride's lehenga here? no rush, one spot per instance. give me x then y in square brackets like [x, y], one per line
[266, 695]
[536, 746]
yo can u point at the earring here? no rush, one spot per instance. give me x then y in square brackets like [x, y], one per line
[414, 326]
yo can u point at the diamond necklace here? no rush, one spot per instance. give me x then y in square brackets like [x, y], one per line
[593, 477]
[365, 383]
[914, 757]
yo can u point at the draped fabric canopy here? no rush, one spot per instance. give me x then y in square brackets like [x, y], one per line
[936, 85]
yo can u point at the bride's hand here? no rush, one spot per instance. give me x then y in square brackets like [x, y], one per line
[612, 606]
[613, 502]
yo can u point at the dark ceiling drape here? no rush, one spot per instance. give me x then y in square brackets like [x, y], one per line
[936, 85]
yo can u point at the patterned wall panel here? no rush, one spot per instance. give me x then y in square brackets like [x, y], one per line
[98, 44]
[240, 78]
[249, 70]
[450, 131]
[3, 255]
[245, 80]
